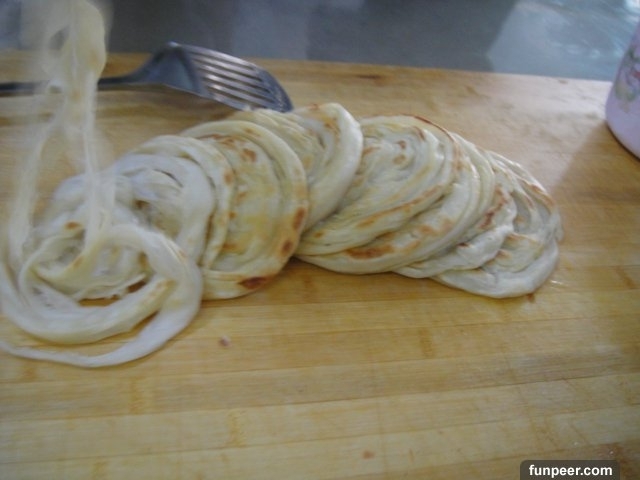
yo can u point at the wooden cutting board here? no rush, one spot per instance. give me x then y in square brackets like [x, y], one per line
[328, 376]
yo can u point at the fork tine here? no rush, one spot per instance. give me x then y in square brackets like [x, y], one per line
[224, 74]
[258, 95]
[215, 82]
[241, 98]
[223, 57]
[219, 73]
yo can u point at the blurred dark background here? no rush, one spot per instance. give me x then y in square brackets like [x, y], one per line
[563, 38]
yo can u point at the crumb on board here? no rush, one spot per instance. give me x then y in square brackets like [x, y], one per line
[224, 341]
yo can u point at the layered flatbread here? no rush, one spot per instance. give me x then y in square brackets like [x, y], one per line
[405, 167]
[215, 169]
[429, 230]
[528, 254]
[216, 212]
[269, 207]
[328, 141]
[481, 242]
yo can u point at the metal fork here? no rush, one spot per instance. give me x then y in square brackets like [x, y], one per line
[207, 73]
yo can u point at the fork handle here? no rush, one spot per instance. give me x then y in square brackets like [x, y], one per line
[26, 88]
[14, 88]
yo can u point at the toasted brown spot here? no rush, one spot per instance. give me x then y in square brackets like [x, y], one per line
[136, 286]
[368, 150]
[299, 218]
[72, 225]
[399, 160]
[331, 126]
[445, 225]
[240, 195]
[249, 155]
[427, 231]
[487, 219]
[227, 141]
[287, 248]
[368, 221]
[371, 252]
[254, 283]
[141, 204]
[229, 178]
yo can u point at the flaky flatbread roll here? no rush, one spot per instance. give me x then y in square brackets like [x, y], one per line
[528, 254]
[482, 241]
[215, 169]
[171, 295]
[269, 207]
[404, 168]
[444, 219]
[328, 141]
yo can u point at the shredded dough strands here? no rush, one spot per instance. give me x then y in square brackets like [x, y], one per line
[86, 245]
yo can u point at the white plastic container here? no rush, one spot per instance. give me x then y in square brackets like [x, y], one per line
[623, 104]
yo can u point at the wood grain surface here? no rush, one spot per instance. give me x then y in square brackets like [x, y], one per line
[328, 376]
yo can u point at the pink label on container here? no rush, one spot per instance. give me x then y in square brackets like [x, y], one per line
[623, 104]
